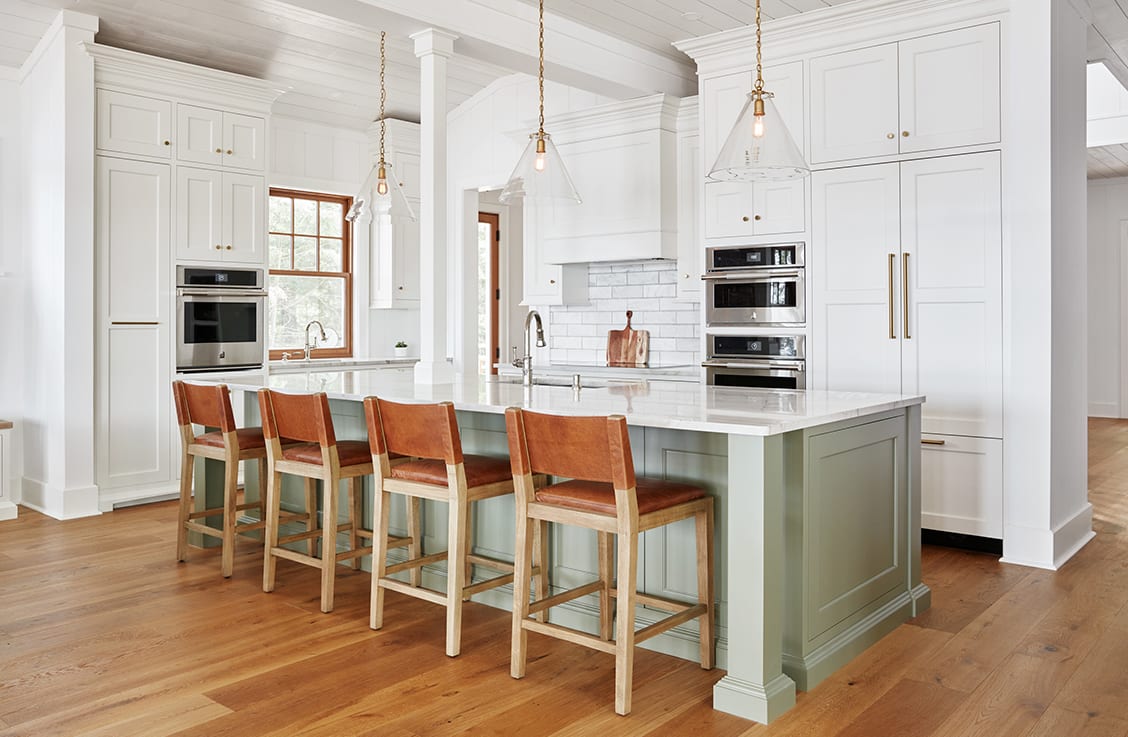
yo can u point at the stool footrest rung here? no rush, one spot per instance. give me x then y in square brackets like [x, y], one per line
[494, 563]
[565, 596]
[573, 636]
[417, 591]
[489, 583]
[415, 563]
[674, 620]
[204, 529]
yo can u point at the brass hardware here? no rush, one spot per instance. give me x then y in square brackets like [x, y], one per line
[228, 247]
[745, 218]
[905, 294]
[133, 322]
[892, 258]
[401, 288]
[905, 134]
[551, 281]
[890, 136]
[229, 151]
[219, 150]
[168, 143]
[759, 218]
[218, 247]
[930, 441]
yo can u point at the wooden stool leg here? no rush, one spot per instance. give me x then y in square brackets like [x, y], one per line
[540, 559]
[262, 490]
[467, 566]
[311, 514]
[456, 570]
[328, 541]
[624, 626]
[354, 518]
[607, 576]
[522, 572]
[380, 513]
[230, 515]
[187, 464]
[270, 542]
[704, 534]
[415, 531]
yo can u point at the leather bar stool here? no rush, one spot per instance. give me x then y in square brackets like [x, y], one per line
[210, 406]
[316, 456]
[440, 472]
[604, 495]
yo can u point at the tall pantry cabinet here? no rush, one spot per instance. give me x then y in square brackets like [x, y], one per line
[180, 177]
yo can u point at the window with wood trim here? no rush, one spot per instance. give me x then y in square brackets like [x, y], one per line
[310, 273]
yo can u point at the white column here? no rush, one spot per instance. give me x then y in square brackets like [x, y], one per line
[433, 47]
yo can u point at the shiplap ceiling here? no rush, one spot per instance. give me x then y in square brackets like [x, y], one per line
[1108, 42]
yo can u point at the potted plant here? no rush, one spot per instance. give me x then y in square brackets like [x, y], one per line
[401, 349]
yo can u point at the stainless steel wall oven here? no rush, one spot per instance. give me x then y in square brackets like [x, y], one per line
[220, 318]
[759, 361]
[755, 285]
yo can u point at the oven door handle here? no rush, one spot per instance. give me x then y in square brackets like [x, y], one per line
[790, 365]
[758, 276]
[243, 293]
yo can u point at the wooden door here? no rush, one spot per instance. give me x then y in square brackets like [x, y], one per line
[492, 223]
[854, 104]
[854, 256]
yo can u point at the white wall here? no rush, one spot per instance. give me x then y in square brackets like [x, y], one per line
[1108, 239]
[511, 314]
[11, 267]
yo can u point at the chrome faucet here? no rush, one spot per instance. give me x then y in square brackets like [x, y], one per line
[310, 345]
[525, 363]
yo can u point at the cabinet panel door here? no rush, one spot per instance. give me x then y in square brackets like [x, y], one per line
[961, 485]
[728, 209]
[691, 252]
[405, 257]
[950, 89]
[244, 141]
[854, 104]
[728, 205]
[199, 134]
[199, 219]
[244, 218]
[854, 231]
[951, 233]
[134, 124]
[135, 414]
[779, 207]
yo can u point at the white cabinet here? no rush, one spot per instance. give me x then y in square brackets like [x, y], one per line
[691, 251]
[395, 261]
[8, 508]
[134, 124]
[134, 355]
[219, 216]
[548, 283]
[955, 472]
[739, 209]
[906, 265]
[921, 94]
[220, 138]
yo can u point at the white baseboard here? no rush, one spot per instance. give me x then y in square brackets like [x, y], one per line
[59, 503]
[8, 510]
[1104, 409]
[1049, 549]
[110, 499]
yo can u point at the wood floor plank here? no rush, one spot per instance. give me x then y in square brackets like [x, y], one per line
[1100, 685]
[1059, 722]
[909, 709]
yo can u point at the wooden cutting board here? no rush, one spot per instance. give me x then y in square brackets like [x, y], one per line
[628, 347]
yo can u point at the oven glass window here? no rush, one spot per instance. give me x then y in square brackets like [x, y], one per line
[780, 293]
[220, 322]
[756, 382]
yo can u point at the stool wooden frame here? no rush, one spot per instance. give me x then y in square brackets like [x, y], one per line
[429, 432]
[597, 450]
[305, 418]
[210, 406]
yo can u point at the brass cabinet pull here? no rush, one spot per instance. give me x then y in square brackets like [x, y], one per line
[758, 217]
[890, 136]
[229, 151]
[168, 143]
[219, 150]
[905, 134]
[218, 247]
[551, 281]
[905, 294]
[133, 322]
[745, 218]
[892, 334]
[228, 247]
[930, 441]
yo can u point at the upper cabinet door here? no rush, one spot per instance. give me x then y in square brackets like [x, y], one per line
[199, 134]
[854, 104]
[722, 99]
[244, 218]
[134, 124]
[950, 89]
[780, 207]
[199, 219]
[244, 141]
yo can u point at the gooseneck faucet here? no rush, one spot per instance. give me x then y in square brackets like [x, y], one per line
[311, 344]
[525, 363]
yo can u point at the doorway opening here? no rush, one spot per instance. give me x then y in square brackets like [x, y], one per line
[489, 292]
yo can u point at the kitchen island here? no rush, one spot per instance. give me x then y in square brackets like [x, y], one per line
[817, 511]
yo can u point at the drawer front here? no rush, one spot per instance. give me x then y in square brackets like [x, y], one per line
[962, 485]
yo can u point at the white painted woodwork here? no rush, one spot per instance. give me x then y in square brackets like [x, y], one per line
[199, 214]
[134, 354]
[244, 141]
[936, 91]
[779, 207]
[199, 135]
[244, 218]
[134, 124]
[949, 89]
[691, 250]
[962, 468]
[394, 279]
[951, 232]
[8, 509]
[855, 230]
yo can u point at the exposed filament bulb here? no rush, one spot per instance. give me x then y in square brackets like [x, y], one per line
[381, 182]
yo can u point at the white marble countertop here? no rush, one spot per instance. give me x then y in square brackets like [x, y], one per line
[669, 404]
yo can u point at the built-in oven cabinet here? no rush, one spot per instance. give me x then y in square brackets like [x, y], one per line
[220, 216]
[739, 209]
[955, 471]
[133, 351]
[220, 138]
[134, 124]
[920, 94]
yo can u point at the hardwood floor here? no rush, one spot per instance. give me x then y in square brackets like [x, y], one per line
[103, 634]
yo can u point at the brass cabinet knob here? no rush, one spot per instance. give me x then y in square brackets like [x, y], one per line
[890, 136]
[401, 287]
[759, 218]
[228, 247]
[219, 248]
[905, 134]
[229, 151]
[685, 276]
[168, 143]
[219, 150]
[745, 218]
[551, 281]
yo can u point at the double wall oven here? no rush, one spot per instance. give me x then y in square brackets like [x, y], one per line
[220, 318]
[753, 294]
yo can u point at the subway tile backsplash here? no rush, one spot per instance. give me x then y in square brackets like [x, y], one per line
[578, 333]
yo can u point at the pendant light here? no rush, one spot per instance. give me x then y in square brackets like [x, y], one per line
[381, 182]
[540, 175]
[759, 146]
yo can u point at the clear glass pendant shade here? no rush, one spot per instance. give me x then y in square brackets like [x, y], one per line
[540, 175]
[370, 199]
[759, 148]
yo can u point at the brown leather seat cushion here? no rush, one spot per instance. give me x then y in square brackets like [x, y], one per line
[480, 471]
[350, 452]
[598, 497]
[249, 437]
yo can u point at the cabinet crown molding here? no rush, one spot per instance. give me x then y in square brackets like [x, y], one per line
[650, 113]
[152, 75]
[861, 22]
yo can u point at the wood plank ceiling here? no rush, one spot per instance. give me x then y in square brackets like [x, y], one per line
[1108, 42]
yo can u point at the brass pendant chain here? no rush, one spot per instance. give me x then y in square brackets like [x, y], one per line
[540, 72]
[383, 97]
[759, 57]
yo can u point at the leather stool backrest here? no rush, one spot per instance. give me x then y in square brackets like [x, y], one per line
[197, 404]
[417, 430]
[301, 417]
[588, 448]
